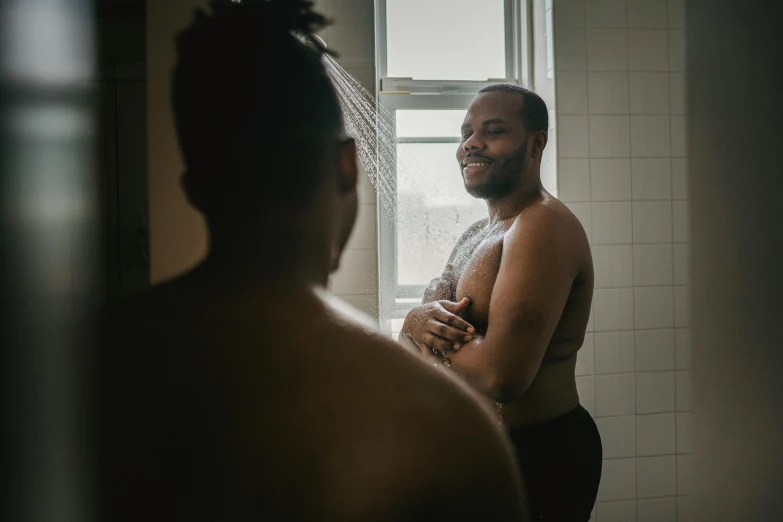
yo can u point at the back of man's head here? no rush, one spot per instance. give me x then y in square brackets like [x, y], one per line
[253, 105]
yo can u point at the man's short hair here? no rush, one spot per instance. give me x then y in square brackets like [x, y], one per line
[535, 116]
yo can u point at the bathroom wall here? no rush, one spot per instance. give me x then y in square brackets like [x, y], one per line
[352, 36]
[622, 170]
[737, 245]
[177, 232]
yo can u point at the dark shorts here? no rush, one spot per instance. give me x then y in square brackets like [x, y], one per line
[561, 464]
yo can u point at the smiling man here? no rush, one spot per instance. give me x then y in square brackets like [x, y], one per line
[510, 311]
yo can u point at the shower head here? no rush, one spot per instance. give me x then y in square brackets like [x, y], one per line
[312, 40]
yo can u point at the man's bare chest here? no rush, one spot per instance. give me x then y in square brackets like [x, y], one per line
[476, 267]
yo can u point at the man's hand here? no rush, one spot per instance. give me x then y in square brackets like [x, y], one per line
[436, 328]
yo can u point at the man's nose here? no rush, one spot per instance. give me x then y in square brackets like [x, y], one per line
[473, 143]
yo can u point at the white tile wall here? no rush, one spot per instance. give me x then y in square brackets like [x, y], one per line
[570, 53]
[350, 11]
[615, 395]
[585, 359]
[656, 477]
[649, 93]
[352, 42]
[605, 13]
[646, 14]
[655, 392]
[677, 51]
[583, 212]
[650, 137]
[648, 50]
[676, 14]
[678, 146]
[652, 179]
[364, 235]
[612, 222]
[679, 178]
[652, 221]
[682, 263]
[572, 93]
[653, 264]
[569, 13]
[614, 352]
[574, 179]
[682, 348]
[681, 221]
[682, 308]
[609, 137]
[684, 474]
[624, 172]
[655, 435]
[572, 137]
[613, 309]
[684, 436]
[657, 510]
[620, 511]
[613, 266]
[654, 350]
[683, 390]
[607, 50]
[608, 92]
[585, 387]
[653, 307]
[618, 435]
[684, 509]
[618, 481]
[610, 179]
[358, 274]
[677, 93]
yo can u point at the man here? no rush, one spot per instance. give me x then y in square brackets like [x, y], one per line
[510, 311]
[235, 392]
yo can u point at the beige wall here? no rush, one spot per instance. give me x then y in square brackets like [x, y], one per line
[177, 232]
[734, 52]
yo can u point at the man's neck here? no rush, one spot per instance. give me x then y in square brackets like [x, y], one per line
[280, 252]
[517, 200]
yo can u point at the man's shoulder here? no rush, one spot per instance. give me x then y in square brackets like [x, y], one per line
[548, 216]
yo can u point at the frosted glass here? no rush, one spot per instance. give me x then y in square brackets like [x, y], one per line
[433, 209]
[445, 39]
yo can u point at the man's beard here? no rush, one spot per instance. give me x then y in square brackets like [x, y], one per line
[505, 176]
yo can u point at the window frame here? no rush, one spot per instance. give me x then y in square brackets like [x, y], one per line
[408, 94]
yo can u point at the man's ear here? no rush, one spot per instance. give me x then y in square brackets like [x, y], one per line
[347, 168]
[540, 139]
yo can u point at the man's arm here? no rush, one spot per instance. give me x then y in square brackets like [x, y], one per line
[533, 284]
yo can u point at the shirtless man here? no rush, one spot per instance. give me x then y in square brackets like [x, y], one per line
[510, 311]
[236, 392]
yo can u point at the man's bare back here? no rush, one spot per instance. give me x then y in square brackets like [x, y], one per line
[476, 260]
[268, 393]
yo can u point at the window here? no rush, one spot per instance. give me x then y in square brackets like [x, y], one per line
[433, 57]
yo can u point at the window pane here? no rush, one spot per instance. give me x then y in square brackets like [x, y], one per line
[445, 39]
[429, 124]
[433, 209]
